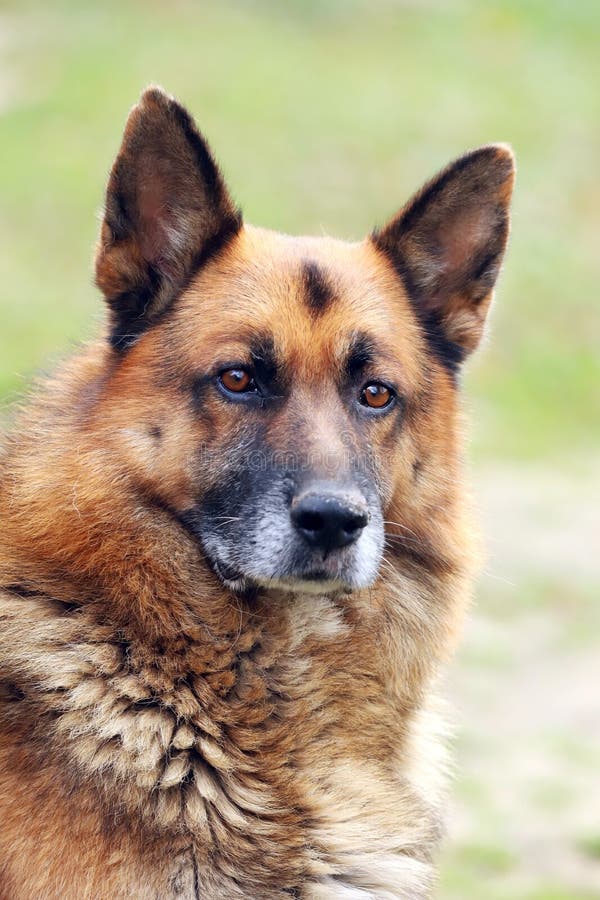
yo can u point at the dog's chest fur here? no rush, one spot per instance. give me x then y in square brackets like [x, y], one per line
[280, 752]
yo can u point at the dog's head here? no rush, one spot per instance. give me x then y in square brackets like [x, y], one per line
[291, 401]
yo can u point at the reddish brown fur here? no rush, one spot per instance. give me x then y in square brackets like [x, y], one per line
[159, 733]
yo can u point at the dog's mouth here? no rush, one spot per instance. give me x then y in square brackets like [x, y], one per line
[311, 579]
[230, 576]
[225, 571]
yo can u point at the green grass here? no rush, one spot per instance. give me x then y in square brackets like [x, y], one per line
[326, 115]
[590, 845]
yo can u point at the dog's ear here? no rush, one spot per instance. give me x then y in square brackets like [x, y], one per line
[447, 245]
[167, 210]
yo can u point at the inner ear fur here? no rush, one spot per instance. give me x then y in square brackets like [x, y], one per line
[167, 211]
[447, 245]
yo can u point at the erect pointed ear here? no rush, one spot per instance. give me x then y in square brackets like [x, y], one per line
[167, 210]
[447, 246]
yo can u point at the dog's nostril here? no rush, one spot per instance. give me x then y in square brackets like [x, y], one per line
[328, 521]
[355, 523]
[310, 521]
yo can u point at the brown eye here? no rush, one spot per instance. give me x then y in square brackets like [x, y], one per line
[376, 395]
[238, 381]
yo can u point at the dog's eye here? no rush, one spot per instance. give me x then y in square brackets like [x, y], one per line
[376, 395]
[238, 381]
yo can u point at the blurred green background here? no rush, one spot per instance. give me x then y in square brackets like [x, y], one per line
[325, 116]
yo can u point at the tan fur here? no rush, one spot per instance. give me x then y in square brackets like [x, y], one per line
[162, 736]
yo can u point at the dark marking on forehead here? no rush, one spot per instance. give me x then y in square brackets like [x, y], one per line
[317, 289]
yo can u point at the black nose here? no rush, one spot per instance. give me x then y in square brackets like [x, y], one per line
[327, 520]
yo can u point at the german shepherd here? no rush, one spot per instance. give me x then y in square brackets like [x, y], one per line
[236, 547]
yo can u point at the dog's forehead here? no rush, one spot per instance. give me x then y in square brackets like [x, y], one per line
[312, 296]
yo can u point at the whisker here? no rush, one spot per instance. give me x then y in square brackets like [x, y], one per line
[399, 525]
[226, 520]
[404, 539]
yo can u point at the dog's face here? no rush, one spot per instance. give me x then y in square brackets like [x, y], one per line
[301, 395]
[290, 400]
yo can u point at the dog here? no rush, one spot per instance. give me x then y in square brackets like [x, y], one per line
[236, 548]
